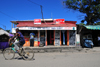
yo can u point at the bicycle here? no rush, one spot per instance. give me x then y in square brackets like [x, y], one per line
[26, 52]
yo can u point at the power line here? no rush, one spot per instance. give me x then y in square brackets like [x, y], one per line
[3, 26]
[40, 7]
[34, 2]
[7, 15]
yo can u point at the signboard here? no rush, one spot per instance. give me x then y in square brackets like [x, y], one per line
[57, 38]
[37, 21]
[47, 28]
[59, 21]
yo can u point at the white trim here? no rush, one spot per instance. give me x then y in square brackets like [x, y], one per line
[47, 28]
[37, 23]
[46, 19]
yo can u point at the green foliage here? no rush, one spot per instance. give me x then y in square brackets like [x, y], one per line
[98, 23]
[89, 7]
[8, 31]
[81, 24]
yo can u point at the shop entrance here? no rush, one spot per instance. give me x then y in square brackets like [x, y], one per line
[50, 37]
[95, 35]
[63, 37]
[26, 34]
[42, 37]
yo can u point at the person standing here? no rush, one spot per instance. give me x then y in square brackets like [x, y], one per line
[98, 40]
[32, 39]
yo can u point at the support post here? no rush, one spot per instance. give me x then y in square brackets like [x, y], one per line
[67, 37]
[60, 37]
[45, 37]
[54, 37]
[38, 37]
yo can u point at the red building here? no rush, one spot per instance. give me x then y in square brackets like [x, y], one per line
[51, 32]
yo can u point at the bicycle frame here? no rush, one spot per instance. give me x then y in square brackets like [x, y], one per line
[12, 47]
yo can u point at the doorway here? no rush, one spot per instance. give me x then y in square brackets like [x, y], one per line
[42, 37]
[50, 37]
[63, 37]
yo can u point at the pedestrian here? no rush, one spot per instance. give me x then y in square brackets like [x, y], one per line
[32, 39]
[98, 40]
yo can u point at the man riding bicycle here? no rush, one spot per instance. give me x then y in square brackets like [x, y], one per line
[20, 39]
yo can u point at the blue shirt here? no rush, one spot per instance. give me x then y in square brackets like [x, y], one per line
[98, 38]
[32, 35]
[21, 38]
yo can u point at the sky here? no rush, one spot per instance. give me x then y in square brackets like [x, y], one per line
[14, 10]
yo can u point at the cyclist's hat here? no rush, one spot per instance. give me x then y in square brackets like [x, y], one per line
[17, 29]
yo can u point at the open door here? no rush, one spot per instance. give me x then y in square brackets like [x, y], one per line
[64, 37]
[50, 37]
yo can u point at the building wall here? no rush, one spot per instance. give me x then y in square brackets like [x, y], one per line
[56, 25]
[70, 39]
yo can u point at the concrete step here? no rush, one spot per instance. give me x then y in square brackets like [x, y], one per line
[62, 49]
[55, 49]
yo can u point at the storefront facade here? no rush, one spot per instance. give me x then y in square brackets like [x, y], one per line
[89, 32]
[57, 32]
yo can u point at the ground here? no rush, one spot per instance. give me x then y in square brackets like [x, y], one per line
[55, 59]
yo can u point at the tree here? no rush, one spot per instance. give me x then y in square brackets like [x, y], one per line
[89, 7]
[8, 31]
[98, 23]
[81, 24]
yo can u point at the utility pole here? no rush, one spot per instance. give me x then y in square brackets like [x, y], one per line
[40, 7]
[41, 11]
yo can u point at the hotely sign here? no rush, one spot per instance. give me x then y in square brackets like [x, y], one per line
[37, 21]
[59, 21]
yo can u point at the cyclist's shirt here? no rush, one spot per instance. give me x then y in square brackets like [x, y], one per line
[21, 38]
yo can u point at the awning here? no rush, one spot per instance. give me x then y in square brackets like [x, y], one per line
[93, 27]
[3, 32]
[11, 35]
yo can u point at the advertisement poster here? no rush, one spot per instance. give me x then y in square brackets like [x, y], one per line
[37, 21]
[59, 21]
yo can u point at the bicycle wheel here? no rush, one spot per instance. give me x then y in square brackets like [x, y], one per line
[28, 53]
[8, 54]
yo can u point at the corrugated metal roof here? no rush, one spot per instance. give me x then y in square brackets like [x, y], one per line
[31, 20]
[93, 27]
[46, 25]
[3, 32]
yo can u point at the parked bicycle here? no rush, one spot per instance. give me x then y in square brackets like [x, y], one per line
[25, 52]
